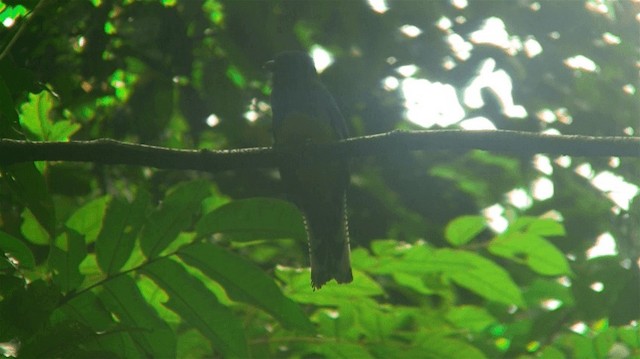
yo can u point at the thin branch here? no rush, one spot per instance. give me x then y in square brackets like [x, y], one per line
[108, 151]
[23, 25]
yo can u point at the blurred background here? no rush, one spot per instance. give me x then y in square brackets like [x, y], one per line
[188, 74]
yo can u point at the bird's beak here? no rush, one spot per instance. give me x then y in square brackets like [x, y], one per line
[269, 65]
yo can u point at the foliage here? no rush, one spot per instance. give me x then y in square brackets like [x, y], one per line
[455, 255]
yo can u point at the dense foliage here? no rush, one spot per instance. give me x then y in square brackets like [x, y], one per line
[455, 255]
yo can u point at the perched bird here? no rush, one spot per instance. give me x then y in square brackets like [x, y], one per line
[304, 111]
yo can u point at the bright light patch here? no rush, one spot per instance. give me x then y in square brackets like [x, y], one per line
[563, 115]
[611, 39]
[581, 63]
[212, 120]
[519, 198]
[499, 82]
[579, 328]
[629, 89]
[444, 23]
[494, 32]
[8, 22]
[551, 304]
[564, 281]
[563, 161]
[614, 162]
[551, 131]
[390, 83]
[460, 47]
[628, 131]
[532, 47]
[321, 57]
[585, 170]
[379, 6]
[431, 103]
[495, 218]
[597, 287]
[407, 70]
[410, 30]
[552, 214]
[448, 63]
[459, 4]
[605, 246]
[543, 164]
[546, 115]
[542, 188]
[477, 124]
[617, 189]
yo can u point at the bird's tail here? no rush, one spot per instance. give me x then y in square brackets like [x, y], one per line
[328, 231]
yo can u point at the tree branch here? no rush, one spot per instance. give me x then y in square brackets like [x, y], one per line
[108, 151]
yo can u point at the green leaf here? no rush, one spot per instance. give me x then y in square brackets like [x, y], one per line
[29, 184]
[122, 222]
[34, 115]
[32, 230]
[16, 251]
[463, 229]
[479, 275]
[87, 220]
[199, 307]
[89, 310]
[298, 287]
[245, 282]
[439, 347]
[544, 227]
[175, 215]
[255, 218]
[470, 317]
[536, 252]
[65, 256]
[152, 335]
[62, 130]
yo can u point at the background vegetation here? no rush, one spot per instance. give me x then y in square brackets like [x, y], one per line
[455, 255]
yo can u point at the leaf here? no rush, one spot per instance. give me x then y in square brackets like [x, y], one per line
[152, 335]
[544, 227]
[120, 228]
[87, 220]
[62, 130]
[89, 310]
[174, 215]
[479, 275]
[470, 317]
[65, 256]
[536, 252]
[199, 307]
[463, 229]
[32, 230]
[255, 218]
[439, 347]
[30, 186]
[34, 115]
[298, 287]
[245, 282]
[16, 251]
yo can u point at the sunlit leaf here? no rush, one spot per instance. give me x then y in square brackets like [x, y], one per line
[174, 215]
[245, 282]
[470, 317]
[87, 220]
[463, 229]
[153, 336]
[67, 252]
[16, 251]
[536, 252]
[199, 307]
[120, 228]
[255, 218]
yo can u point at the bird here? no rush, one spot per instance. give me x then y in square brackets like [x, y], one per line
[305, 112]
